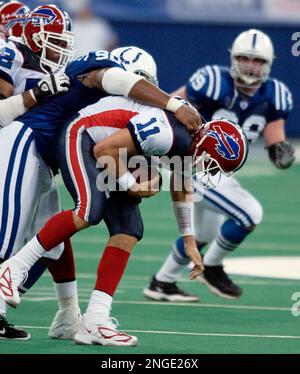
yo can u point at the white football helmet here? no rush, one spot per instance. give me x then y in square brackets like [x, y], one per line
[137, 61]
[253, 44]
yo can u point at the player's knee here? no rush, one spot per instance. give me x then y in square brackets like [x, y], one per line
[256, 215]
[123, 241]
[82, 223]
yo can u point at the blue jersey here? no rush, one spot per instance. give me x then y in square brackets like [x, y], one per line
[48, 117]
[213, 91]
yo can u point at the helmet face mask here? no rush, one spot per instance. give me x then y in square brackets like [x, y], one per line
[250, 72]
[137, 61]
[252, 55]
[220, 148]
[47, 31]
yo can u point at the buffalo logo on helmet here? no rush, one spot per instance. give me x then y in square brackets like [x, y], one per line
[227, 146]
[42, 17]
[18, 17]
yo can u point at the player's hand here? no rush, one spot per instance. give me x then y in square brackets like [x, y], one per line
[192, 252]
[51, 85]
[282, 155]
[146, 188]
[189, 117]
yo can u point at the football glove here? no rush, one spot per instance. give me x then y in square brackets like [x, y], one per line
[282, 154]
[51, 85]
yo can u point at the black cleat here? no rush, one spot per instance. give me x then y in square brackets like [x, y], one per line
[8, 331]
[219, 283]
[168, 292]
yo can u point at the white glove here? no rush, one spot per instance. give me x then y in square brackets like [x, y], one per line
[51, 85]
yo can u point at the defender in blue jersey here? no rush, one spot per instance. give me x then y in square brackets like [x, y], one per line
[25, 81]
[245, 94]
[91, 77]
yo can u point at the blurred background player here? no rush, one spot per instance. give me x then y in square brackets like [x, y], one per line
[25, 82]
[92, 32]
[243, 93]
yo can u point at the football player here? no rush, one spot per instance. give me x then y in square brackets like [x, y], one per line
[261, 105]
[25, 81]
[32, 140]
[99, 132]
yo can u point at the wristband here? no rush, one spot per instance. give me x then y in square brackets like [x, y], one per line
[184, 213]
[126, 181]
[173, 105]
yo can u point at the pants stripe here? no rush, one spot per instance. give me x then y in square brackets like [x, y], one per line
[233, 211]
[8, 178]
[17, 196]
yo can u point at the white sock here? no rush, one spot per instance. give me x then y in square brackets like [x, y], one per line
[215, 255]
[99, 307]
[66, 294]
[170, 271]
[174, 265]
[29, 254]
[2, 307]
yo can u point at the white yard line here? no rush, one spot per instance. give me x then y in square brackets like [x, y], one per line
[190, 333]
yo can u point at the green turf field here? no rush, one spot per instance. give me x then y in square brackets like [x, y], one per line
[260, 322]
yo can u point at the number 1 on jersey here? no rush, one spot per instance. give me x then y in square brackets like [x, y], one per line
[145, 133]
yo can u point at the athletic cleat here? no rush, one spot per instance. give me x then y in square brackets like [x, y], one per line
[8, 331]
[219, 283]
[105, 334]
[65, 324]
[168, 292]
[11, 277]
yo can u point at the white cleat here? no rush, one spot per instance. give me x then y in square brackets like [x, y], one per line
[104, 334]
[65, 325]
[12, 276]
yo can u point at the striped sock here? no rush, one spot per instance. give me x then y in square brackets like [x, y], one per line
[174, 264]
[229, 238]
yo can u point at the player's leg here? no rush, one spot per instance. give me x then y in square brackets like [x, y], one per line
[60, 263]
[244, 213]
[19, 191]
[124, 222]
[79, 171]
[163, 285]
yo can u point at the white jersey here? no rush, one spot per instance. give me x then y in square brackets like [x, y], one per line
[19, 65]
[150, 128]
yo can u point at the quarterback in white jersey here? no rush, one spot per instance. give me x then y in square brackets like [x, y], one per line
[243, 93]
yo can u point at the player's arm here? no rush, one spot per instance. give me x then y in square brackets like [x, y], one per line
[117, 81]
[12, 106]
[182, 196]
[107, 153]
[281, 152]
